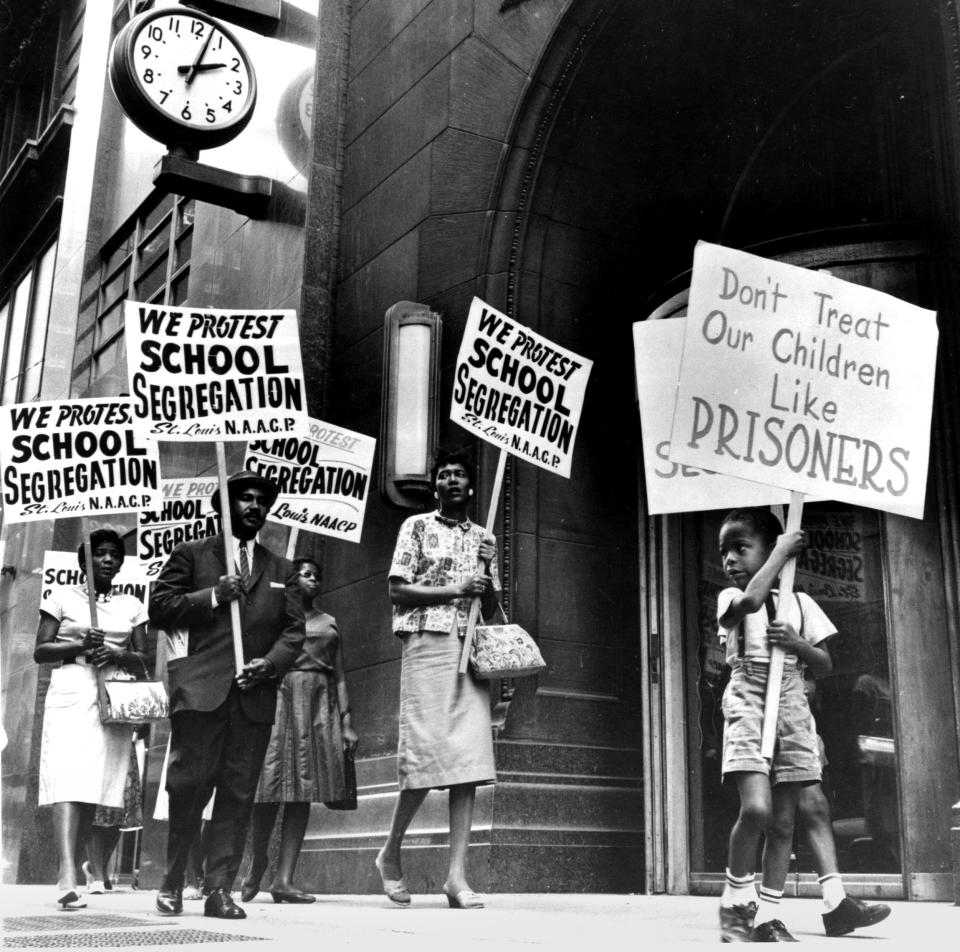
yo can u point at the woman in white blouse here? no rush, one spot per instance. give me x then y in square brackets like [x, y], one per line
[83, 762]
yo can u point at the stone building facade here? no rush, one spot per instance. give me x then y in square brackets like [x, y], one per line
[559, 159]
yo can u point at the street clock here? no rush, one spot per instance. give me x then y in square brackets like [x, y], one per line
[183, 78]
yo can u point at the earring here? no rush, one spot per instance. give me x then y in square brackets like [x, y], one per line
[436, 495]
[469, 492]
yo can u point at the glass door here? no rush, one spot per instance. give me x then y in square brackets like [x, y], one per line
[842, 569]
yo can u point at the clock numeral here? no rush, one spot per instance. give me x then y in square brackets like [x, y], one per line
[146, 50]
[165, 94]
[185, 113]
[155, 32]
[236, 65]
[227, 106]
[148, 75]
[210, 116]
[196, 27]
[174, 24]
[237, 88]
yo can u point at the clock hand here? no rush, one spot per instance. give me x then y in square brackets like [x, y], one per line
[192, 70]
[201, 67]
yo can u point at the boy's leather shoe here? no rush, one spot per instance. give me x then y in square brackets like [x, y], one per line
[220, 905]
[736, 922]
[853, 914]
[773, 930]
[169, 901]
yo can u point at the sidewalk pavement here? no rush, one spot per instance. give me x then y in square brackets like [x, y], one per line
[553, 922]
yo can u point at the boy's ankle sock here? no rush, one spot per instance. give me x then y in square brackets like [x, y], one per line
[833, 891]
[739, 890]
[769, 907]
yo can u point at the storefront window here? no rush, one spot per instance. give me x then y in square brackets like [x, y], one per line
[842, 570]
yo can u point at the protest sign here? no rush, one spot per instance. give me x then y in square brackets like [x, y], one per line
[518, 390]
[833, 563]
[186, 515]
[672, 487]
[215, 374]
[797, 379]
[65, 458]
[63, 568]
[323, 479]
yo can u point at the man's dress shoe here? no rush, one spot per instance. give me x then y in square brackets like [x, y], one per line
[220, 905]
[170, 902]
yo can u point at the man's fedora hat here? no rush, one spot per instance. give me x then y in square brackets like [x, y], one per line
[243, 480]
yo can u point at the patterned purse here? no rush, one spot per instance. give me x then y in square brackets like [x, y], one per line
[504, 651]
[127, 700]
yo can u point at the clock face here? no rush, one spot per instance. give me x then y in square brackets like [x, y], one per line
[183, 78]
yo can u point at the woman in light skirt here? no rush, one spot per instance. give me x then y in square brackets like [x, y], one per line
[440, 564]
[84, 763]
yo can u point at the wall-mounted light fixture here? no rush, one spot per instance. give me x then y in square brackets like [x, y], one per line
[410, 413]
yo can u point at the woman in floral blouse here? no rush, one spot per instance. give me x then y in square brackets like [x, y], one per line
[439, 566]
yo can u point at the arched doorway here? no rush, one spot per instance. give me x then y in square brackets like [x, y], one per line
[654, 126]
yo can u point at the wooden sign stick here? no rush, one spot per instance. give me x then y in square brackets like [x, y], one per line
[229, 553]
[491, 519]
[771, 706]
[88, 568]
[292, 542]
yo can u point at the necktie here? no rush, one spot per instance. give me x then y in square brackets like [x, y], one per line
[244, 566]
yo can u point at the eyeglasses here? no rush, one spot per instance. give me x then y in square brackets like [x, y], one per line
[309, 574]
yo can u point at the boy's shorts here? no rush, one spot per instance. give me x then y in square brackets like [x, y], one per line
[796, 755]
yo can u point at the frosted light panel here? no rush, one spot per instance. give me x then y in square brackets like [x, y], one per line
[413, 395]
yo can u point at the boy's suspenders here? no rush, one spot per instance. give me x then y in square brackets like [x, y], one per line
[771, 614]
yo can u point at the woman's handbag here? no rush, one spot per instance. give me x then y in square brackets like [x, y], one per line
[127, 700]
[349, 802]
[504, 651]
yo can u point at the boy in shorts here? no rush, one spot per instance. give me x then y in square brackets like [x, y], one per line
[754, 550]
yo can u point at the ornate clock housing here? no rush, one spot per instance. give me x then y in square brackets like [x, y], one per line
[183, 78]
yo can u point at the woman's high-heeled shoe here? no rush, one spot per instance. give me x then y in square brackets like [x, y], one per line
[95, 887]
[394, 889]
[464, 899]
[291, 895]
[70, 899]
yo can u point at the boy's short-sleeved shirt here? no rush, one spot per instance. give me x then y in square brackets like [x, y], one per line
[814, 624]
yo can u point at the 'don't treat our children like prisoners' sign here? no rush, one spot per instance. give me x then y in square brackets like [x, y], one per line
[323, 479]
[798, 379]
[215, 374]
[186, 515]
[75, 458]
[518, 390]
[676, 487]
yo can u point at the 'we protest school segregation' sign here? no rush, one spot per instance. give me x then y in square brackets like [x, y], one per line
[797, 379]
[75, 458]
[186, 515]
[323, 479]
[215, 374]
[672, 487]
[518, 390]
[63, 568]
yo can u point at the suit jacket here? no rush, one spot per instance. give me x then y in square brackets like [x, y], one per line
[271, 622]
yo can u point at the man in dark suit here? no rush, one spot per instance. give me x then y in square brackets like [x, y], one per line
[220, 720]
